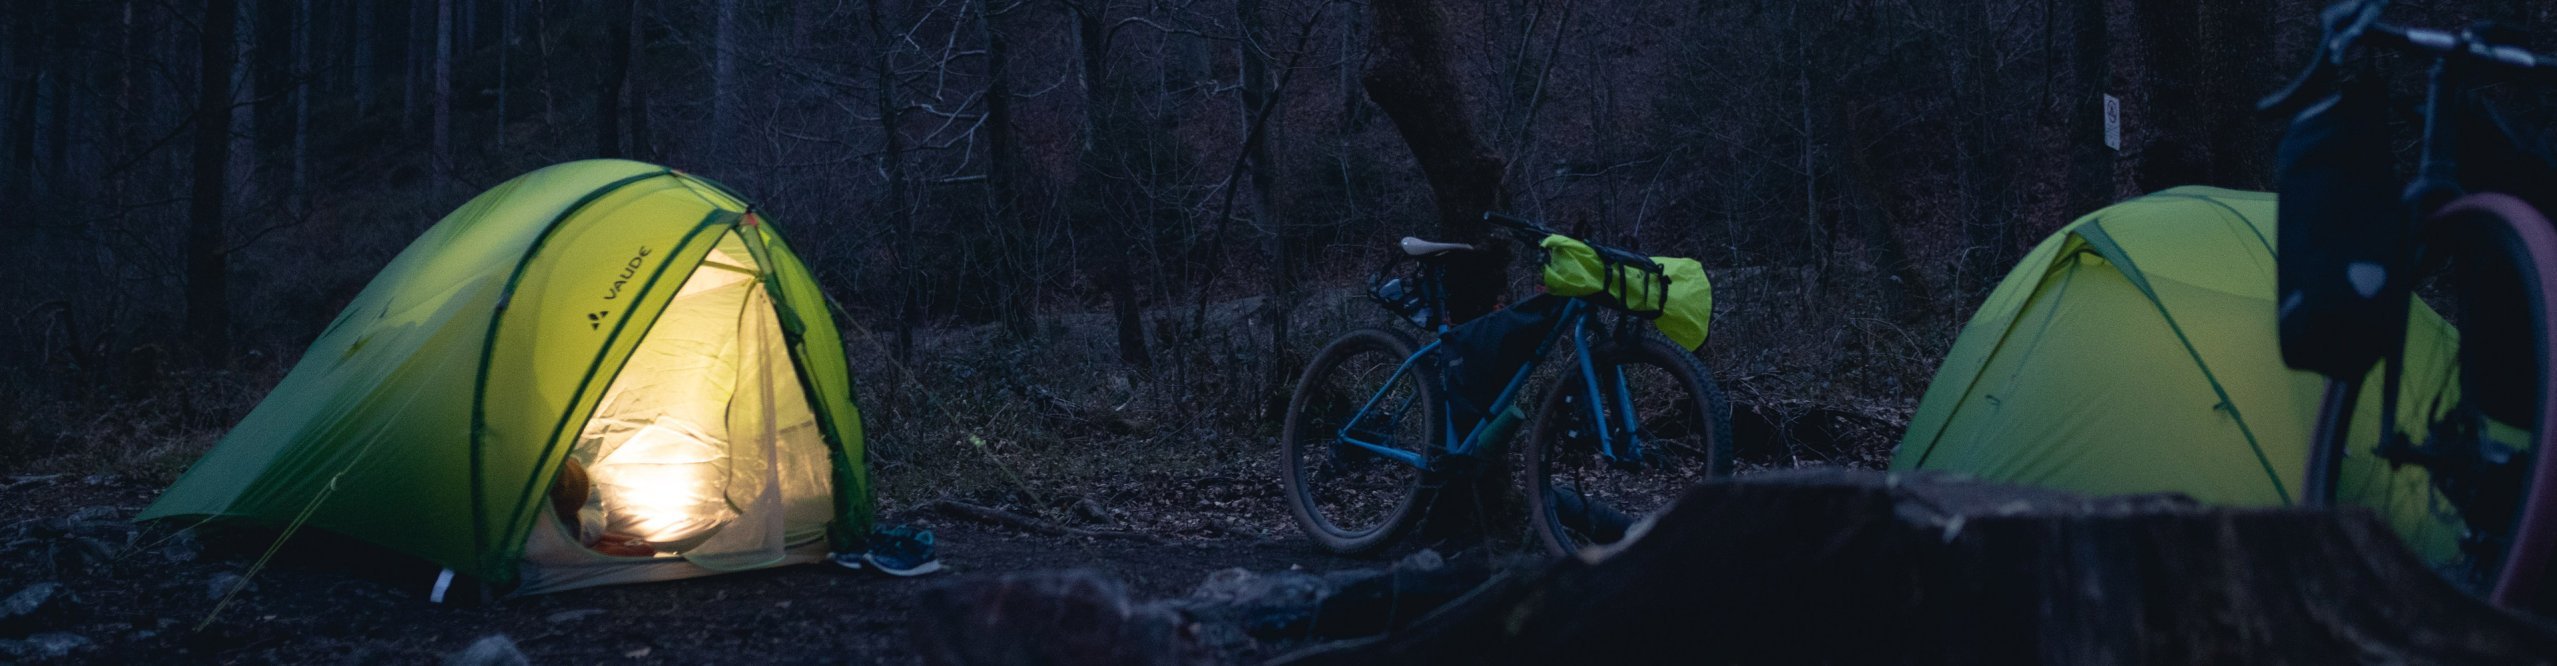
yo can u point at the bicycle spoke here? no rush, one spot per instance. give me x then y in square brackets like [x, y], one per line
[1590, 496]
[1346, 494]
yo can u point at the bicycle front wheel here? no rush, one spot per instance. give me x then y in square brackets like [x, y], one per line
[2468, 482]
[1364, 388]
[2508, 295]
[1589, 492]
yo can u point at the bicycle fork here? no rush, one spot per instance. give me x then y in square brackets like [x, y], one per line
[1627, 450]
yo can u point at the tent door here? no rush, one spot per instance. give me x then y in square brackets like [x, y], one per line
[703, 447]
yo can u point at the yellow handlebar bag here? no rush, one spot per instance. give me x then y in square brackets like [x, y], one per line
[1682, 310]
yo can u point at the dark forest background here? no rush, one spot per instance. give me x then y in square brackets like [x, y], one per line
[1072, 225]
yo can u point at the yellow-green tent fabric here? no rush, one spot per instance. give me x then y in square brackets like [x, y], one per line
[641, 322]
[2134, 351]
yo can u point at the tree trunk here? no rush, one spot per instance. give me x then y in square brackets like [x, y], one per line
[635, 89]
[1815, 242]
[412, 66]
[1260, 97]
[723, 72]
[1099, 194]
[2237, 42]
[899, 208]
[608, 105]
[505, 52]
[541, 48]
[2177, 150]
[59, 76]
[302, 106]
[1411, 77]
[1989, 245]
[208, 316]
[2091, 78]
[364, 44]
[443, 149]
[244, 129]
[18, 118]
[1129, 314]
[1019, 298]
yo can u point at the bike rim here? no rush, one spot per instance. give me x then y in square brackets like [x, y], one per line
[2532, 246]
[1349, 492]
[1591, 498]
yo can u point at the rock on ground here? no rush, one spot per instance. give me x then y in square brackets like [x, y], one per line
[1048, 617]
[49, 645]
[491, 650]
[36, 606]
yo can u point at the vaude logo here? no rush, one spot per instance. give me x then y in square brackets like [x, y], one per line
[628, 269]
[595, 320]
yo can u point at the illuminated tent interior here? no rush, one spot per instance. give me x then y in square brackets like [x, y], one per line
[702, 456]
[598, 372]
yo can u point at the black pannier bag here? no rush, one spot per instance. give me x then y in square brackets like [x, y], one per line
[1477, 359]
[2343, 236]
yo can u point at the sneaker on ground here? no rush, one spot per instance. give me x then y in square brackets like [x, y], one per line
[902, 551]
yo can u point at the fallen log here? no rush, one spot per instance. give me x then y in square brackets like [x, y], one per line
[1859, 567]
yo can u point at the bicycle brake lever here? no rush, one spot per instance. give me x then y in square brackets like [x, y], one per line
[2344, 25]
[2294, 98]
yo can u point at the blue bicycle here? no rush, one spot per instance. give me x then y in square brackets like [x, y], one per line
[1380, 422]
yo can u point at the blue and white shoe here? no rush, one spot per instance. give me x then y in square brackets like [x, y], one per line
[902, 551]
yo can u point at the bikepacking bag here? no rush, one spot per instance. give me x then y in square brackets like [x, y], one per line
[1682, 310]
[1478, 358]
[2342, 237]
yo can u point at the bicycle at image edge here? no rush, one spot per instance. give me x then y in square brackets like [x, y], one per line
[2467, 234]
[1379, 422]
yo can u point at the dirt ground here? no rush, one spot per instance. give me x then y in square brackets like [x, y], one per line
[139, 603]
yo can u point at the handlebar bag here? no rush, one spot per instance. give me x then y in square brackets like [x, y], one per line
[1679, 299]
[2342, 236]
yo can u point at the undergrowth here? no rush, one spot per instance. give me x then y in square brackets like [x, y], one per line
[1053, 424]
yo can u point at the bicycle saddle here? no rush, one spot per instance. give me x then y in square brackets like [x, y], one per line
[1423, 248]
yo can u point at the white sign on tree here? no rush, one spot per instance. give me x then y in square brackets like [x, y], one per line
[2113, 123]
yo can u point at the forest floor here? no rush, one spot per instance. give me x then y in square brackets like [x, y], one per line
[1183, 466]
[129, 594]
[140, 603]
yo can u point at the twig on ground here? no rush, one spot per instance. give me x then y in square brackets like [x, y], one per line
[15, 482]
[987, 514]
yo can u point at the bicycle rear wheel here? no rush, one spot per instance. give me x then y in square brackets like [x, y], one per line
[1583, 496]
[2506, 314]
[1347, 498]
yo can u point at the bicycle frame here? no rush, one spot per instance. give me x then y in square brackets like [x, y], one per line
[1573, 322]
[2455, 57]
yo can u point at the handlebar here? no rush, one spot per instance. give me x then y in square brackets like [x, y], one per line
[2466, 45]
[2356, 23]
[1515, 223]
[1531, 232]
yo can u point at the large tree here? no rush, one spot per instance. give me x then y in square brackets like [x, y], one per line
[1412, 78]
[443, 130]
[208, 313]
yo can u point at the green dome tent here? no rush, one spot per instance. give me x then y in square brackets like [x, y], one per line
[645, 325]
[2134, 351]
